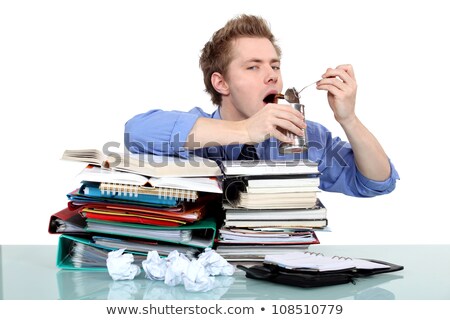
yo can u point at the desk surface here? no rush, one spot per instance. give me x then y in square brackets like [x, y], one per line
[29, 273]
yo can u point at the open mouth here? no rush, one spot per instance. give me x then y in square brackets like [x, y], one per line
[273, 98]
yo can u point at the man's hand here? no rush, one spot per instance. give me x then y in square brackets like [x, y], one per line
[341, 86]
[370, 157]
[273, 121]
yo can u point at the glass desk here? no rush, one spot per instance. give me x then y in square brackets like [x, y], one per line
[28, 272]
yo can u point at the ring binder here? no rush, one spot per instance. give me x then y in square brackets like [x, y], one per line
[232, 191]
[237, 194]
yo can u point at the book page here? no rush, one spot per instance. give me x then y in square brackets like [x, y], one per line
[317, 261]
[147, 164]
[266, 167]
[205, 184]
[98, 174]
[165, 166]
[84, 155]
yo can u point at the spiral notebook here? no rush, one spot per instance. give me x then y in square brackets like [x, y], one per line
[92, 173]
[91, 190]
[319, 262]
[133, 191]
[132, 185]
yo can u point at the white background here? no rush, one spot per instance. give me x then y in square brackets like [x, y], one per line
[73, 72]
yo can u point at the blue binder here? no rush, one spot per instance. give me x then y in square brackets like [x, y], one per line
[90, 191]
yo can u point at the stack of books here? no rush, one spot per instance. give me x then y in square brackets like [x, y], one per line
[270, 207]
[126, 201]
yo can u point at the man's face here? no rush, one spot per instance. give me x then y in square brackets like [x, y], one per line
[253, 74]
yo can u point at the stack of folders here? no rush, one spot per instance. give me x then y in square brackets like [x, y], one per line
[112, 209]
[270, 208]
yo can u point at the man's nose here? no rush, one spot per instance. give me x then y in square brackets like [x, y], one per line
[272, 76]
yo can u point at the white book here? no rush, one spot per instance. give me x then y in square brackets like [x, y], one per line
[268, 167]
[287, 182]
[147, 164]
[313, 223]
[317, 212]
[278, 190]
[235, 236]
[120, 178]
[276, 201]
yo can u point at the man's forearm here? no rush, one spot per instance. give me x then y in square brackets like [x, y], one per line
[370, 157]
[213, 132]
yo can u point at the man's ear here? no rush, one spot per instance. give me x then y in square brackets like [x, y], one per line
[219, 83]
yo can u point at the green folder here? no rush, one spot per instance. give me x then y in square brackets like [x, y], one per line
[203, 234]
[65, 255]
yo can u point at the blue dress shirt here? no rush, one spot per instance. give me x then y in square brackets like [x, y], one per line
[165, 133]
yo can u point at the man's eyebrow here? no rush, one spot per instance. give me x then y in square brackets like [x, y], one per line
[275, 60]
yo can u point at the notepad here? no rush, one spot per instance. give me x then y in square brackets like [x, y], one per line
[319, 262]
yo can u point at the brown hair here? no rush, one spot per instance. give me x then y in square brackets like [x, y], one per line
[216, 54]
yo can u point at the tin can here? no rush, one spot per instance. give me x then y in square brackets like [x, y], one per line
[300, 142]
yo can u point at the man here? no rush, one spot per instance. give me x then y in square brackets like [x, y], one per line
[241, 67]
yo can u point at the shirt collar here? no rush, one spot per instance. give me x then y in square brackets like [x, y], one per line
[216, 114]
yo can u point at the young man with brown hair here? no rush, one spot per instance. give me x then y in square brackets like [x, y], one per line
[241, 68]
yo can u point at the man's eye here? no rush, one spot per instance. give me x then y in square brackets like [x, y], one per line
[276, 67]
[252, 68]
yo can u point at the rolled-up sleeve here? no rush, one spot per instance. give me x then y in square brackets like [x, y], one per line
[370, 188]
[160, 132]
[339, 172]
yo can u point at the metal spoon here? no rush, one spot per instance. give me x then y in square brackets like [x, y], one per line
[293, 96]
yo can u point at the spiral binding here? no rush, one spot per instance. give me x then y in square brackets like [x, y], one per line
[333, 257]
[134, 191]
[341, 258]
[313, 253]
[188, 195]
[119, 189]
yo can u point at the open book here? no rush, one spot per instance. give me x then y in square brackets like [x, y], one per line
[129, 180]
[147, 164]
[151, 165]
